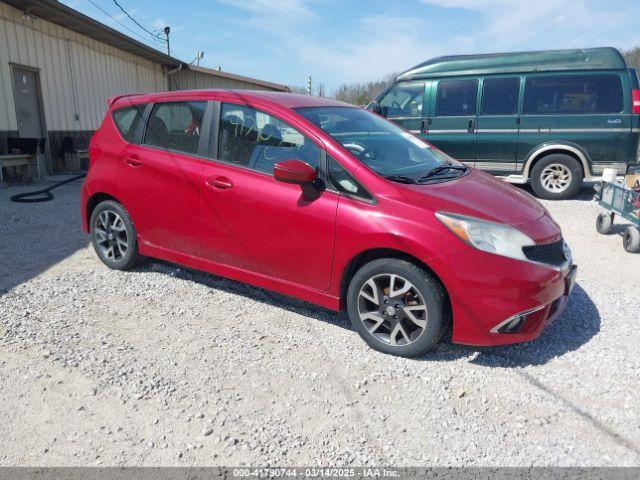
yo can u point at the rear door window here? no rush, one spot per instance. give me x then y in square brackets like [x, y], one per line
[500, 96]
[258, 140]
[456, 97]
[127, 121]
[573, 94]
[403, 100]
[176, 126]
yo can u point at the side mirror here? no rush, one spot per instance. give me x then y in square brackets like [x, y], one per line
[294, 171]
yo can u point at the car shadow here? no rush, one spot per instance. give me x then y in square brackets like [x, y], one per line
[575, 327]
[250, 292]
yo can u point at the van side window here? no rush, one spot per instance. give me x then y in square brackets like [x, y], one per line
[128, 119]
[571, 94]
[500, 96]
[403, 100]
[456, 97]
[344, 182]
[258, 140]
[175, 126]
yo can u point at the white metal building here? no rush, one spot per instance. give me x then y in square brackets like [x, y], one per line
[58, 67]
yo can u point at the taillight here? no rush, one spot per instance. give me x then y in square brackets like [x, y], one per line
[635, 101]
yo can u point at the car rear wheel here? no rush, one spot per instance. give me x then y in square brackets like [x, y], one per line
[113, 236]
[604, 222]
[631, 239]
[557, 176]
[397, 307]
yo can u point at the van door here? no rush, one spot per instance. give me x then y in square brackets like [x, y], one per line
[497, 132]
[452, 124]
[404, 104]
[590, 111]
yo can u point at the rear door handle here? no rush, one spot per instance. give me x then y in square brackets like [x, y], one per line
[219, 182]
[132, 160]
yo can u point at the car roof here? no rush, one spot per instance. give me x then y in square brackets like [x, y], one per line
[603, 58]
[282, 99]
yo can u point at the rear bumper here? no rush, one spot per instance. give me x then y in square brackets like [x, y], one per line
[486, 294]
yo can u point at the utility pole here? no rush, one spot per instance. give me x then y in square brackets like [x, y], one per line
[167, 30]
[309, 85]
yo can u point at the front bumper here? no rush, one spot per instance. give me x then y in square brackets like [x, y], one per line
[486, 291]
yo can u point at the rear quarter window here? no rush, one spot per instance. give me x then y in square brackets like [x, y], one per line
[127, 121]
[573, 94]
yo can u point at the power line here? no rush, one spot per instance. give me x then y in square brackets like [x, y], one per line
[122, 24]
[136, 22]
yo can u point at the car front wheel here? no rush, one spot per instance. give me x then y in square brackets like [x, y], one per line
[397, 307]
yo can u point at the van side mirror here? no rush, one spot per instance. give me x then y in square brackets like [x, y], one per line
[374, 107]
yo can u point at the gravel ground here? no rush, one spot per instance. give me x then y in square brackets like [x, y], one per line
[166, 366]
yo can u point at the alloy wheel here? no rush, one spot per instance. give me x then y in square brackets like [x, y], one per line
[111, 235]
[556, 178]
[392, 309]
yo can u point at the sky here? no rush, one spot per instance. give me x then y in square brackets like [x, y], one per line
[343, 41]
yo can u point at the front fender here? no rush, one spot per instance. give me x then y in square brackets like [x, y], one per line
[361, 227]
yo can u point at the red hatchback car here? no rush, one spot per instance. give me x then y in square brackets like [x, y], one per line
[329, 203]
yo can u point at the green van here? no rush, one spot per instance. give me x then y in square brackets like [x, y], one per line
[552, 118]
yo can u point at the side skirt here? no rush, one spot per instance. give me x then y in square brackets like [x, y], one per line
[252, 278]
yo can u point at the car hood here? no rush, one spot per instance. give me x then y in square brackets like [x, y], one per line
[480, 195]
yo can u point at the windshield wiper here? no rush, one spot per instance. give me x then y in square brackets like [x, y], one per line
[400, 179]
[440, 169]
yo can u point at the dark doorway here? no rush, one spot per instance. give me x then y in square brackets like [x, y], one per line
[26, 93]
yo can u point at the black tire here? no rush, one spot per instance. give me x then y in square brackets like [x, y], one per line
[125, 231]
[604, 222]
[631, 239]
[559, 162]
[431, 294]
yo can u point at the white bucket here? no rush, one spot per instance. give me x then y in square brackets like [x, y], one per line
[609, 175]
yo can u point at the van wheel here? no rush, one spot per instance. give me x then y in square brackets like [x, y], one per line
[556, 177]
[113, 236]
[397, 308]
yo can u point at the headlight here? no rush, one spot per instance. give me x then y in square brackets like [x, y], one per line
[488, 236]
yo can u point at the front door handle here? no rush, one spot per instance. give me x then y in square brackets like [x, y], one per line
[222, 183]
[470, 128]
[132, 161]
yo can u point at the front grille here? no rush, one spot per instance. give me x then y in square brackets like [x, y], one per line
[549, 253]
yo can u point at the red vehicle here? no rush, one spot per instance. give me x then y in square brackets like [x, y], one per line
[329, 203]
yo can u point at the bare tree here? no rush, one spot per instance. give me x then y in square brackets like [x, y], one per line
[632, 57]
[321, 90]
[363, 93]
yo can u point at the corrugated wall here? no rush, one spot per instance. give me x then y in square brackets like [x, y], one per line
[77, 73]
[191, 80]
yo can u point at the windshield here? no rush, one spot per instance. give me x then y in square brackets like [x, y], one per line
[381, 145]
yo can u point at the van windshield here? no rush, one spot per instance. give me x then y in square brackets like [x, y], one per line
[384, 147]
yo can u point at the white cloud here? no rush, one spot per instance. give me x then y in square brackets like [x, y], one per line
[160, 23]
[510, 24]
[292, 32]
[281, 7]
